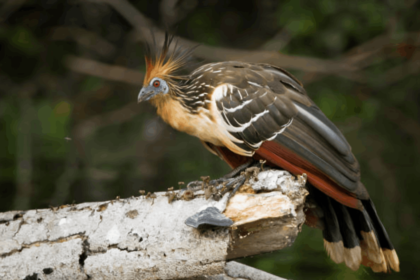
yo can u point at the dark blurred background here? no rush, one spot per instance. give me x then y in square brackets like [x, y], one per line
[72, 131]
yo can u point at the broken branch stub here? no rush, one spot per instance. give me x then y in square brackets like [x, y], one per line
[147, 238]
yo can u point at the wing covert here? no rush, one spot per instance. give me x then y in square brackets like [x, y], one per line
[271, 105]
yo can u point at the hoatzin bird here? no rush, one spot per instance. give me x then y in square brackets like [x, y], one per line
[242, 111]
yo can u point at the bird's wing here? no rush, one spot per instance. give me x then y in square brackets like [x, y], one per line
[270, 114]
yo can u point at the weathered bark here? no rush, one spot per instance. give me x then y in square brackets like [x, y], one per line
[145, 238]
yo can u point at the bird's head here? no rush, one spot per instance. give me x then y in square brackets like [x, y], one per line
[155, 87]
[161, 65]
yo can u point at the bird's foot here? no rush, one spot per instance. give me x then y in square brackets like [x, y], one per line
[205, 180]
[231, 182]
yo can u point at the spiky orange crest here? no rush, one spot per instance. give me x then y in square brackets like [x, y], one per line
[163, 63]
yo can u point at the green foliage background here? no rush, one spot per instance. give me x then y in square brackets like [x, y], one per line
[67, 136]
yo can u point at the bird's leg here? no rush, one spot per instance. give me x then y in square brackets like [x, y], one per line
[196, 185]
[233, 173]
[230, 182]
[240, 168]
[233, 184]
[239, 181]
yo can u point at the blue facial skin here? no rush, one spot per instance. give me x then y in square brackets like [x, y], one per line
[155, 87]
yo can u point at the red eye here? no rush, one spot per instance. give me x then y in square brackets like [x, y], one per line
[156, 83]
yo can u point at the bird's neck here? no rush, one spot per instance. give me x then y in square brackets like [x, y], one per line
[171, 111]
[200, 125]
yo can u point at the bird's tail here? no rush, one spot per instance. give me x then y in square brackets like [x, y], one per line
[352, 236]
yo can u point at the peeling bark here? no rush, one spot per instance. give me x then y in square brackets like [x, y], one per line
[145, 238]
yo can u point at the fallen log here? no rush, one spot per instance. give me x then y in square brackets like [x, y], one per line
[147, 237]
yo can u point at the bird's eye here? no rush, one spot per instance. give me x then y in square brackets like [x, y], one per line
[156, 83]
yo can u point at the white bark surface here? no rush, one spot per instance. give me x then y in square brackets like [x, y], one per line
[144, 238]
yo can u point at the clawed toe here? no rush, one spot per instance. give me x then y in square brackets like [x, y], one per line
[231, 182]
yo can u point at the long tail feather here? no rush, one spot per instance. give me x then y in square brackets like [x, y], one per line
[387, 248]
[354, 236]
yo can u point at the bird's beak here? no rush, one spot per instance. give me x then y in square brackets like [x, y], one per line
[144, 95]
